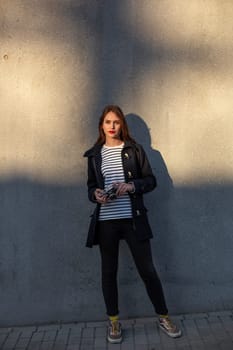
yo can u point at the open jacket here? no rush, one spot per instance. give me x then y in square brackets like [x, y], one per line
[137, 170]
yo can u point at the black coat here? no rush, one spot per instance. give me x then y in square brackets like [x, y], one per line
[137, 170]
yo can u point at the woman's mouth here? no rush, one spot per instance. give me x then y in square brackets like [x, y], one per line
[112, 132]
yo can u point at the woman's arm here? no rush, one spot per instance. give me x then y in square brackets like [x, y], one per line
[95, 194]
[147, 181]
[91, 180]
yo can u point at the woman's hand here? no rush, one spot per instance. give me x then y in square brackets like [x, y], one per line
[123, 188]
[100, 197]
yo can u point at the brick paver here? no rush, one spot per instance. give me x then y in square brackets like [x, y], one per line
[203, 331]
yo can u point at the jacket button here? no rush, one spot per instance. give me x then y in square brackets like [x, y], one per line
[129, 174]
[126, 155]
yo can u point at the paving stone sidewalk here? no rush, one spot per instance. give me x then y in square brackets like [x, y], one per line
[206, 331]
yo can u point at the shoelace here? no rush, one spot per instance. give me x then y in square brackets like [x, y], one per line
[168, 323]
[115, 327]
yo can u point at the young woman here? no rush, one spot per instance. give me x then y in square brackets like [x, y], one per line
[118, 175]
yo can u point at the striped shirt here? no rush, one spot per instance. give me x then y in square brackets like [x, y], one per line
[112, 170]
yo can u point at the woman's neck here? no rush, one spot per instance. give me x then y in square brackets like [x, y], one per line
[113, 142]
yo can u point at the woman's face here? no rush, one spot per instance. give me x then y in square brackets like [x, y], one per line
[112, 126]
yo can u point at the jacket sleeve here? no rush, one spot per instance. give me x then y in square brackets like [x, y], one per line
[91, 180]
[147, 181]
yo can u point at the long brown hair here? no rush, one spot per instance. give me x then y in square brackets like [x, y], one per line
[124, 135]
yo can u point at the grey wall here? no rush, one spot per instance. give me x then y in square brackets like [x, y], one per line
[170, 69]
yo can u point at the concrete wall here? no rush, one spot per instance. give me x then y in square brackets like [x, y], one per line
[168, 64]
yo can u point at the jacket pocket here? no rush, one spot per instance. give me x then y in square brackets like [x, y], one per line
[141, 211]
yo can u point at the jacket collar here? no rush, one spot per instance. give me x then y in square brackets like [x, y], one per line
[92, 151]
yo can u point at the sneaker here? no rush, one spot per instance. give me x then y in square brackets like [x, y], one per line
[114, 332]
[166, 324]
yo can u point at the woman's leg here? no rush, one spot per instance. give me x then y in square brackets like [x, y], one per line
[141, 252]
[109, 249]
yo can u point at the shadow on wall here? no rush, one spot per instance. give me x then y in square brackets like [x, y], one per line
[158, 201]
[44, 274]
[47, 275]
[192, 242]
[141, 133]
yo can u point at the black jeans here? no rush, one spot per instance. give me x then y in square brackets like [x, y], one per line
[109, 234]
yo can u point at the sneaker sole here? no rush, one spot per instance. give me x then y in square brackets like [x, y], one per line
[176, 335]
[114, 341]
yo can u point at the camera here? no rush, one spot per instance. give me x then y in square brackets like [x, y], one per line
[110, 193]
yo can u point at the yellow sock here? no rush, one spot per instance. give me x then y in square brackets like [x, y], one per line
[114, 318]
[163, 316]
